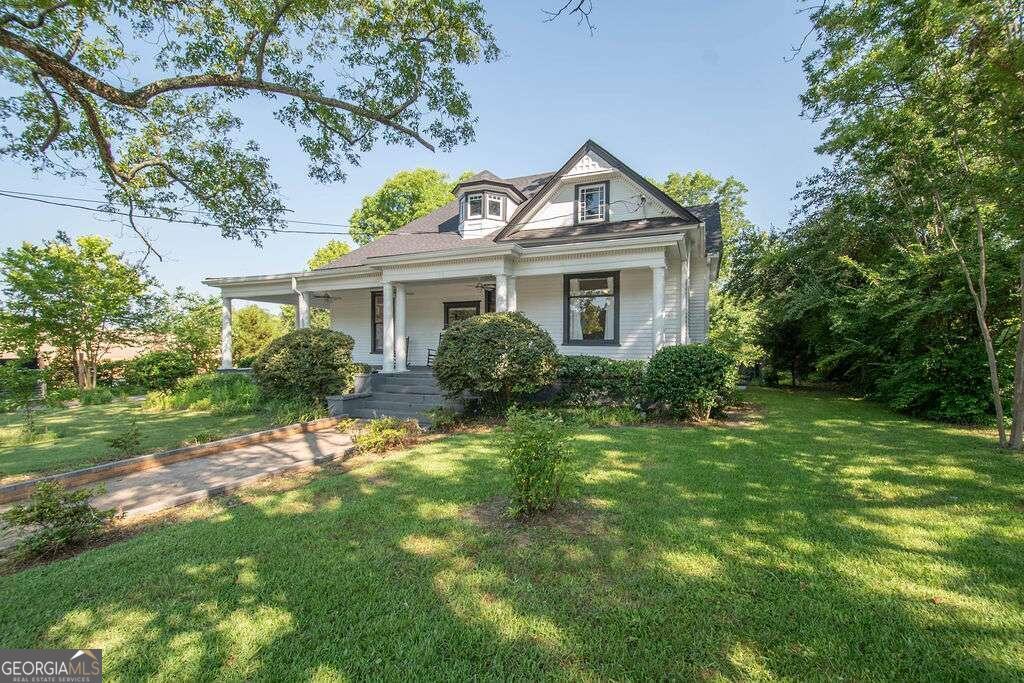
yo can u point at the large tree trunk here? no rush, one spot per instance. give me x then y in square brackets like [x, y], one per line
[1017, 426]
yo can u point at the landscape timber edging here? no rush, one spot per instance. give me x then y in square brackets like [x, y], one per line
[117, 468]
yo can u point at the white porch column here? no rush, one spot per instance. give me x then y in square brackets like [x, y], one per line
[400, 344]
[658, 305]
[500, 292]
[302, 310]
[389, 327]
[684, 294]
[512, 303]
[225, 333]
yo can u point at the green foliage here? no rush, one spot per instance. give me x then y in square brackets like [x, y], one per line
[194, 329]
[222, 394]
[689, 381]
[293, 410]
[152, 96]
[96, 397]
[387, 433]
[158, 369]
[333, 250]
[442, 419]
[536, 448]
[592, 380]
[497, 357]
[77, 296]
[17, 385]
[940, 385]
[403, 197]
[128, 442]
[597, 417]
[57, 519]
[252, 329]
[307, 364]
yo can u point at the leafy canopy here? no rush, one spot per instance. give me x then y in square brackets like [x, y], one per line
[403, 197]
[146, 94]
[331, 251]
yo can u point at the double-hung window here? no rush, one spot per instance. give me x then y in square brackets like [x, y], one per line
[592, 308]
[591, 203]
[475, 205]
[494, 205]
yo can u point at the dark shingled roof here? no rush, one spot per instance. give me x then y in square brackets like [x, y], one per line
[439, 229]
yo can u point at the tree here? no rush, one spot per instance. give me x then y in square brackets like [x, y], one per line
[732, 323]
[252, 328]
[146, 93]
[77, 296]
[331, 251]
[195, 329]
[405, 196]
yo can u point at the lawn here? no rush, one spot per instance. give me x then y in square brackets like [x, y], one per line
[78, 436]
[826, 539]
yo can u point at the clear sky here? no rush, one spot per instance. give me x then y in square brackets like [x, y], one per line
[664, 85]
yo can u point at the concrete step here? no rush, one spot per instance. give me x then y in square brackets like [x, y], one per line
[374, 413]
[402, 397]
[410, 389]
[402, 406]
[403, 381]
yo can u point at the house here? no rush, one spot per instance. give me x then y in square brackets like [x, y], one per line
[595, 254]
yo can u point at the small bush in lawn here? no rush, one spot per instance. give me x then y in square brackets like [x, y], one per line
[158, 369]
[689, 381]
[496, 357]
[128, 442]
[442, 419]
[309, 363]
[99, 396]
[592, 380]
[61, 519]
[536, 447]
[386, 433]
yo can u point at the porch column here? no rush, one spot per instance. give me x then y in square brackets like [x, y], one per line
[302, 311]
[400, 344]
[512, 303]
[389, 327]
[500, 293]
[684, 294]
[225, 333]
[658, 304]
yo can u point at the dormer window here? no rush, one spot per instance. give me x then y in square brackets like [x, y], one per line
[494, 205]
[591, 203]
[475, 206]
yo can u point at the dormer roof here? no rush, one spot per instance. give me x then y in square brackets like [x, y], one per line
[485, 179]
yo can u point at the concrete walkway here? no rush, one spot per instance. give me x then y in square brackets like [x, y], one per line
[190, 480]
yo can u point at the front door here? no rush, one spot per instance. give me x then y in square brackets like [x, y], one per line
[457, 311]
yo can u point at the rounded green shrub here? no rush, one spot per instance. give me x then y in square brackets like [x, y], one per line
[689, 381]
[496, 357]
[585, 381]
[308, 363]
[158, 369]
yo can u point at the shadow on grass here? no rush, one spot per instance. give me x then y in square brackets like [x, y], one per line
[885, 551]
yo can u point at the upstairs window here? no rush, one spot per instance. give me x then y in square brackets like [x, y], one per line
[475, 206]
[592, 203]
[494, 206]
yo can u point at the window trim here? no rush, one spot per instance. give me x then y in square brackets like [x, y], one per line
[614, 274]
[448, 305]
[469, 197]
[376, 345]
[501, 205]
[577, 220]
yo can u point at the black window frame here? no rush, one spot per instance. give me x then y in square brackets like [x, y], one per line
[376, 345]
[448, 305]
[607, 203]
[616, 294]
[490, 301]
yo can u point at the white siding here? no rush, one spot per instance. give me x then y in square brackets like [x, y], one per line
[698, 298]
[624, 204]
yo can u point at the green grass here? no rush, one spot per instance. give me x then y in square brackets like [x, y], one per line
[77, 437]
[829, 539]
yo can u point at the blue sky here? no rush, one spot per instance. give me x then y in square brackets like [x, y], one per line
[700, 84]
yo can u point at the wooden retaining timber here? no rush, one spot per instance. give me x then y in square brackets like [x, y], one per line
[116, 468]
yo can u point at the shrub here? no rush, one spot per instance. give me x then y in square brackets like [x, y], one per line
[128, 442]
[290, 411]
[222, 394]
[497, 357]
[246, 361]
[61, 519]
[442, 419]
[110, 372]
[592, 380]
[17, 385]
[689, 381]
[158, 369]
[947, 383]
[96, 397]
[386, 433]
[536, 447]
[308, 363]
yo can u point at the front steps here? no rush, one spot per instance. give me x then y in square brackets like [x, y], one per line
[403, 395]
